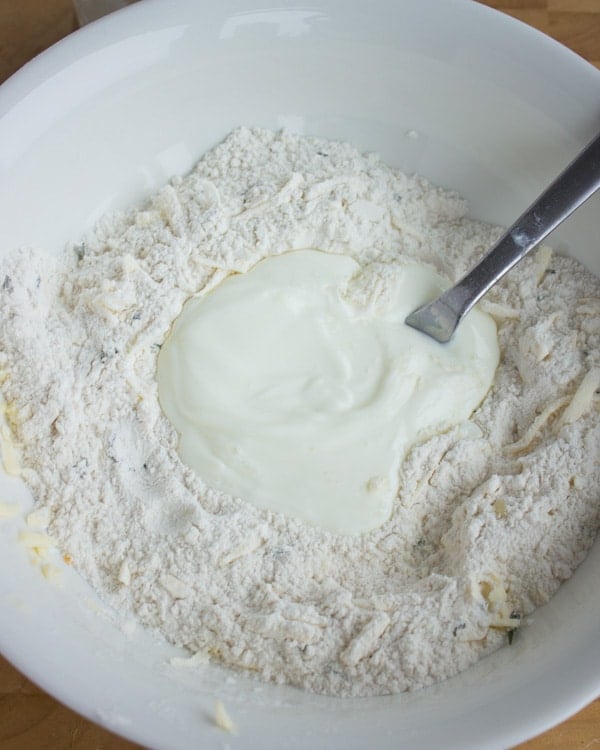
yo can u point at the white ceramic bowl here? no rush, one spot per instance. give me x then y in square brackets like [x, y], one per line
[105, 117]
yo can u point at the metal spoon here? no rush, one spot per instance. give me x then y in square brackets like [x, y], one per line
[569, 190]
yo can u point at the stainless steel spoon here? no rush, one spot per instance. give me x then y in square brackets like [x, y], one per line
[569, 190]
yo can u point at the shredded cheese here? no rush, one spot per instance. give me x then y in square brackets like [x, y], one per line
[582, 399]
[543, 258]
[36, 540]
[536, 426]
[223, 720]
[499, 311]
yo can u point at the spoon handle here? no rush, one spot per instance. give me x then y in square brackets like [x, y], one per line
[569, 190]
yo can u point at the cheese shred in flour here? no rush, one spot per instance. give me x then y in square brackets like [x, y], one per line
[490, 518]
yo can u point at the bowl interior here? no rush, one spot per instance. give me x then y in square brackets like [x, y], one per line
[448, 89]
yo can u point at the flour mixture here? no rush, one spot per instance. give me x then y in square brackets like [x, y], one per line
[491, 515]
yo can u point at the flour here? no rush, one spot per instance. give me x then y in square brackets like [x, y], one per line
[491, 517]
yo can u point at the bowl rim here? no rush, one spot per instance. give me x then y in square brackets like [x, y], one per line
[99, 35]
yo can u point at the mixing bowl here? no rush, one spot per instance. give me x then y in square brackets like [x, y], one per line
[446, 88]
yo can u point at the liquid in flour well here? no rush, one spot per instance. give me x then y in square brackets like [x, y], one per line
[289, 391]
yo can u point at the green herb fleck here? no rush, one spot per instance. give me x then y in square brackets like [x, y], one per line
[510, 633]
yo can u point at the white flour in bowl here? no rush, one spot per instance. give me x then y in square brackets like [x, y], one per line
[491, 516]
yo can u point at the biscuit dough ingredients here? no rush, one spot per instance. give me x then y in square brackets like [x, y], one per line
[491, 515]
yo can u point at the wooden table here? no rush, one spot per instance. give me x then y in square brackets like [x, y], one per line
[32, 720]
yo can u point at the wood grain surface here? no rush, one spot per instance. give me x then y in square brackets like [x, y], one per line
[29, 718]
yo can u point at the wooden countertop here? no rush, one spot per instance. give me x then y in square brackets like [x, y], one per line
[32, 720]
